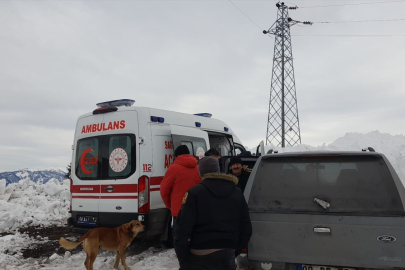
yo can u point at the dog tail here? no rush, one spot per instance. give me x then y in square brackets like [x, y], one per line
[66, 244]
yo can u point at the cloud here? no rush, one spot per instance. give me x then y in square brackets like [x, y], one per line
[60, 58]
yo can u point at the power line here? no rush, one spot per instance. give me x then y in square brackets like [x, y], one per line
[358, 4]
[348, 35]
[247, 15]
[364, 21]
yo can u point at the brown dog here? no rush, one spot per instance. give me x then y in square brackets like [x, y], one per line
[111, 239]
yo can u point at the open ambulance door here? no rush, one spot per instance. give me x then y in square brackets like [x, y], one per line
[260, 149]
[195, 139]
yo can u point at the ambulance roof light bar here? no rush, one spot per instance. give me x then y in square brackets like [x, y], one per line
[116, 103]
[208, 115]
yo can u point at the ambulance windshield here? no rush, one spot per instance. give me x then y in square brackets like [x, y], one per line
[105, 157]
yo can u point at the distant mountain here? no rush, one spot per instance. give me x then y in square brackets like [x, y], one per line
[38, 176]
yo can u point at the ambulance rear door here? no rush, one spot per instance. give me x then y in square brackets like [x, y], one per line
[118, 187]
[86, 172]
[195, 139]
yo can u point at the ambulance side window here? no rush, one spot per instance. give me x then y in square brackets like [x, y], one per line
[87, 159]
[196, 146]
[199, 149]
[189, 146]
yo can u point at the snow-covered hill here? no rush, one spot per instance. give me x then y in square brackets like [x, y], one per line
[37, 176]
[392, 146]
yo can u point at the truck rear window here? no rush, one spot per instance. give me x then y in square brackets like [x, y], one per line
[350, 184]
[105, 157]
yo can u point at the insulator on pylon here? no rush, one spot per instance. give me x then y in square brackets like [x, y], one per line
[278, 5]
[265, 32]
[289, 19]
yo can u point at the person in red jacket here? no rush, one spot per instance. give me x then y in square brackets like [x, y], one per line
[180, 177]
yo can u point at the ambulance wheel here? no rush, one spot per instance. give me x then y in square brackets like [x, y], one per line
[169, 242]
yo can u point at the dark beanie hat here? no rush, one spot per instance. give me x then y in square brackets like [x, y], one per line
[235, 160]
[181, 150]
[212, 152]
[208, 165]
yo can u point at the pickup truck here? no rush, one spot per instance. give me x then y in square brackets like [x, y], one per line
[325, 210]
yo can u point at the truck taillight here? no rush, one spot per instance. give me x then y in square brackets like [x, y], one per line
[245, 250]
[143, 194]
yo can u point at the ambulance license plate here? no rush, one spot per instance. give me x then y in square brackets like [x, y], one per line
[87, 220]
[318, 267]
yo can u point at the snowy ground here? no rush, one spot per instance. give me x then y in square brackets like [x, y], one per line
[30, 204]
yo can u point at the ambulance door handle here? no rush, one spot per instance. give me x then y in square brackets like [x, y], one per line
[109, 188]
[321, 230]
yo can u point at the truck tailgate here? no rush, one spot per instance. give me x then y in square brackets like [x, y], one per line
[352, 241]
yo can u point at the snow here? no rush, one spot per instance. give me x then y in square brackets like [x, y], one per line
[392, 146]
[29, 203]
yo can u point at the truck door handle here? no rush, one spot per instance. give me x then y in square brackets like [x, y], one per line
[321, 230]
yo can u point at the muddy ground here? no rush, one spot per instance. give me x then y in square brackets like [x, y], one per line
[51, 235]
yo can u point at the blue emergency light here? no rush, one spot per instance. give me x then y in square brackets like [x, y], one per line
[204, 114]
[157, 119]
[116, 103]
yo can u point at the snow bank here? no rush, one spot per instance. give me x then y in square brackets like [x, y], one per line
[28, 203]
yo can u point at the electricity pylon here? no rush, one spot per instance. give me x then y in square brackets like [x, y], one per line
[283, 125]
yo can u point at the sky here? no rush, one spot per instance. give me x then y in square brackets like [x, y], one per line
[60, 58]
[27, 203]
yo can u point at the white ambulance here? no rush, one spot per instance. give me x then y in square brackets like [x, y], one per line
[120, 155]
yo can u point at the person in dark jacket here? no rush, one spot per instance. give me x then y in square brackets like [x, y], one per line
[213, 225]
[238, 170]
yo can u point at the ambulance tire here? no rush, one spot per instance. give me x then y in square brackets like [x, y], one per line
[169, 241]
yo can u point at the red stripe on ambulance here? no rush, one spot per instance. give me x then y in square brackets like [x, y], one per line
[86, 189]
[122, 188]
[105, 197]
[119, 197]
[86, 197]
[156, 180]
